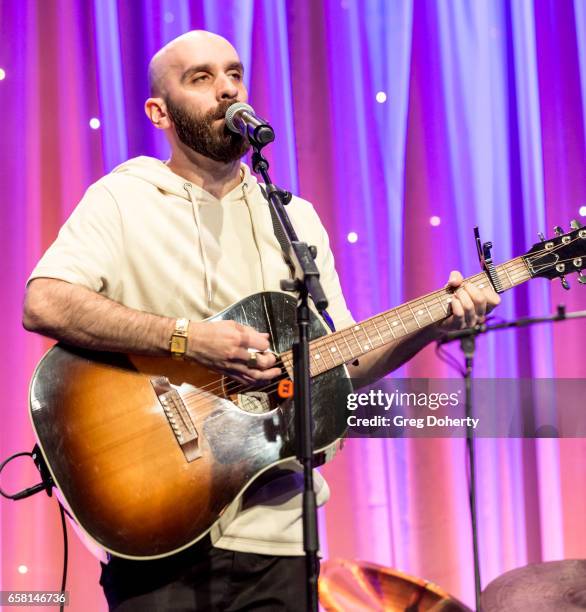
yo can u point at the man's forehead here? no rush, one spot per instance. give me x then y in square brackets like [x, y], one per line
[188, 50]
[200, 48]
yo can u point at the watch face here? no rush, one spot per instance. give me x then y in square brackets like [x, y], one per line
[178, 344]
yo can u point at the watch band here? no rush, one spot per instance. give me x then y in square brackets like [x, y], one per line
[178, 340]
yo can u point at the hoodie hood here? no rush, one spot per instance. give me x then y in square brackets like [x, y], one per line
[157, 173]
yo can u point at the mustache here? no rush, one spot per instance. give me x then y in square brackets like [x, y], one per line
[220, 112]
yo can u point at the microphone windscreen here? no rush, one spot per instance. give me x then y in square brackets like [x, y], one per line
[232, 111]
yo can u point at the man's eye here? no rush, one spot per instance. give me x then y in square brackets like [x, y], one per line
[236, 76]
[201, 77]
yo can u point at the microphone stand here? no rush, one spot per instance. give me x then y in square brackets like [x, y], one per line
[467, 338]
[306, 284]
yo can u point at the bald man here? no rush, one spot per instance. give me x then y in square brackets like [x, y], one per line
[152, 250]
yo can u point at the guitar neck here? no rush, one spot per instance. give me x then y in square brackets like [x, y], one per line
[348, 344]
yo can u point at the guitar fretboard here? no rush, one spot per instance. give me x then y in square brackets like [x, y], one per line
[348, 344]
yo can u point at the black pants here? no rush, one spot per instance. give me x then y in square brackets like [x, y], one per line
[206, 579]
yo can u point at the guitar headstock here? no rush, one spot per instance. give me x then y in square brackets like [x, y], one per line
[558, 256]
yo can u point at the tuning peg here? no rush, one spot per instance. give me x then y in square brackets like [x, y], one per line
[541, 236]
[558, 230]
[574, 224]
[565, 283]
[581, 278]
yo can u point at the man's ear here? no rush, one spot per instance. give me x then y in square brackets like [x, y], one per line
[156, 111]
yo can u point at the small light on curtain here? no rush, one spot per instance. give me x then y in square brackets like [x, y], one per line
[582, 211]
[95, 123]
[381, 97]
[352, 237]
[434, 221]
[22, 569]
[169, 17]
[2, 74]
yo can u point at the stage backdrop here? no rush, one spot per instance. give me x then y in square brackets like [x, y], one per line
[404, 122]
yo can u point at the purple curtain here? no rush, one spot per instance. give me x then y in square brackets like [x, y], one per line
[388, 114]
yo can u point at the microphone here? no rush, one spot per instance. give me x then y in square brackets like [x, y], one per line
[241, 119]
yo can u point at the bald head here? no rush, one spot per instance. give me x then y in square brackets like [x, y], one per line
[189, 49]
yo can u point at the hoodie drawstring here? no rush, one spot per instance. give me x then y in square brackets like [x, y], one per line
[245, 197]
[204, 257]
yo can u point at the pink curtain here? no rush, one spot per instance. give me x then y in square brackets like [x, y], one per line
[483, 123]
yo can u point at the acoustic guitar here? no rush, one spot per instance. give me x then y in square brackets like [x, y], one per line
[148, 452]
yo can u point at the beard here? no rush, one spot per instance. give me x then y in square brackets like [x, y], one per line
[199, 134]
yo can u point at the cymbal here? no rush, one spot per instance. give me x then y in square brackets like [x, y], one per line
[558, 586]
[353, 586]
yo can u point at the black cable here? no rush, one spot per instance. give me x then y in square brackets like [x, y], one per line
[46, 486]
[65, 554]
[15, 496]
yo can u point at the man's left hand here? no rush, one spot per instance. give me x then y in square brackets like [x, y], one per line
[469, 304]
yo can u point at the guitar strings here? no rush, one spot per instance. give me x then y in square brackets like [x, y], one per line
[515, 268]
[233, 387]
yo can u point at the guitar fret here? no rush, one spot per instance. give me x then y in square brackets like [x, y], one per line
[316, 355]
[507, 273]
[414, 316]
[327, 351]
[359, 343]
[370, 344]
[401, 321]
[350, 351]
[355, 327]
[377, 330]
[390, 328]
[334, 349]
[480, 284]
[316, 361]
[445, 308]
[428, 311]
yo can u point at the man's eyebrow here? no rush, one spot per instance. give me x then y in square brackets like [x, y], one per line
[208, 68]
[235, 66]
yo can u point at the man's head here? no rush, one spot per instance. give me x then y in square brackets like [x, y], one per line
[193, 80]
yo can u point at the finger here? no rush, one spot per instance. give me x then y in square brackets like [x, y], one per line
[254, 375]
[263, 375]
[264, 361]
[458, 321]
[467, 305]
[241, 378]
[252, 339]
[493, 299]
[239, 355]
[478, 298]
[455, 279]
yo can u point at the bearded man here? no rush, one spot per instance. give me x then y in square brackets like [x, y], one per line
[155, 247]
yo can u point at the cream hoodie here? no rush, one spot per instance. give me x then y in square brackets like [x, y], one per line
[147, 238]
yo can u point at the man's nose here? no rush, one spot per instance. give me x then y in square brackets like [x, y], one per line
[226, 88]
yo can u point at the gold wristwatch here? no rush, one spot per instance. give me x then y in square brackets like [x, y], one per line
[178, 340]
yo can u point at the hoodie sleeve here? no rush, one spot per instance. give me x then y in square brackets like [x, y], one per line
[337, 307]
[310, 229]
[88, 249]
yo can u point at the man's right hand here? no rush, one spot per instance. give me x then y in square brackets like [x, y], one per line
[223, 346]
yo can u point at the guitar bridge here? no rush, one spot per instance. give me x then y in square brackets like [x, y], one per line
[178, 417]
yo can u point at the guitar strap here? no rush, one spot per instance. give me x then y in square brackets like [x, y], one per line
[280, 235]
